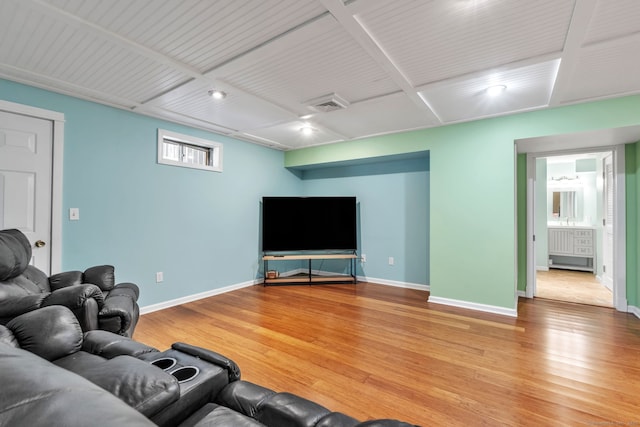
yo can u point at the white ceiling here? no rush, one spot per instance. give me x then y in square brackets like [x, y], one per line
[400, 65]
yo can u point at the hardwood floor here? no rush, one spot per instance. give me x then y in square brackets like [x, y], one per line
[375, 351]
[572, 286]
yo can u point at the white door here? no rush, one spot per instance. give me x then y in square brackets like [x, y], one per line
[26, 149]
[607, 229]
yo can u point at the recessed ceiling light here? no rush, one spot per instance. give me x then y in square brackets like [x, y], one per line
[217, 94]
[496, 90]
[306, 130]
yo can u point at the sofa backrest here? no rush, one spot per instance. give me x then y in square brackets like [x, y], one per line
[15, 253]
[49, 332]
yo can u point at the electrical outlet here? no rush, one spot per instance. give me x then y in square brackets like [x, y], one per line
[391, 261]
[159, 277]
[363, 258]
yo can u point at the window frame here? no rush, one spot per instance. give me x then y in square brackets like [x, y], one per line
[214, 148]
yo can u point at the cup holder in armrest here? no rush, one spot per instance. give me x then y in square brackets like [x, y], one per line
[185, 373]
[164, 363]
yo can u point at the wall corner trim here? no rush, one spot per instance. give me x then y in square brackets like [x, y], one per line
[190, 298]
[503, 311]
[417, 286]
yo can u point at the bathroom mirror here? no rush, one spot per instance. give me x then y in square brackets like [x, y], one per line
[565, 204]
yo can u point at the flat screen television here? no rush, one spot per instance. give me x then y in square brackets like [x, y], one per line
[308, 224]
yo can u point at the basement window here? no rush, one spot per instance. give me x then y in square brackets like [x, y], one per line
[188, 151]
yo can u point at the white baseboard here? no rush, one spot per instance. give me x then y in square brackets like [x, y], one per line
[522, 294]
[395, 283]
[511, 312]
[195, 297]
[634, 310]
[542, 268]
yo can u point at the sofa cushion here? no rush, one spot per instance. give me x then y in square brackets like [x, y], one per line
[212, 415]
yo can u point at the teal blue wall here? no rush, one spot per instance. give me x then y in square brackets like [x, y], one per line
[203, 232]
[393, 200]
[200, 228]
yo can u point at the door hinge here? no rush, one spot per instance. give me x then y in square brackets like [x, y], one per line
[604, 222]
[604, 268]
[534, 237]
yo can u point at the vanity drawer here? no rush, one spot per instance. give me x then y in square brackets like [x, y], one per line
[583, 241]
[583, 250]
[583, 233]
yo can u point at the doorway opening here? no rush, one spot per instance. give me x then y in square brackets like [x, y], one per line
[596, 141]
[573, 202]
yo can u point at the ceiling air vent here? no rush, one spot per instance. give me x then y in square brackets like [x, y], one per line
[327, 103]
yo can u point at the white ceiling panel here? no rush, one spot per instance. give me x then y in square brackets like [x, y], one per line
[280, 71]
[203, 34]
[377, 116]
[436, 40]
[526, 88]
[236, 111]
[292, 134]
[605, 70]
[613, 19]
[400, 65]
[51, 48]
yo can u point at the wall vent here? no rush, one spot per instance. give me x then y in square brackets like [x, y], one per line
[326, 103]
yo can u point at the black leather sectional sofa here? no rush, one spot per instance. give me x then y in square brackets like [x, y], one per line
[54, 374]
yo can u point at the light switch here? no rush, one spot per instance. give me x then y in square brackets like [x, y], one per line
[74, 214]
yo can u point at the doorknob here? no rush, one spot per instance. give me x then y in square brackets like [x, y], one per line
[40, 244]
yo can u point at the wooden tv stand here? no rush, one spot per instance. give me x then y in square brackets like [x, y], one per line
[309, 277]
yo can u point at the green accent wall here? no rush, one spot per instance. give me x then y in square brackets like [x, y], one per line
[473, 190]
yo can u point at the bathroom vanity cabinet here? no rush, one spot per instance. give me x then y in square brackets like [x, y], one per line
[572, 248]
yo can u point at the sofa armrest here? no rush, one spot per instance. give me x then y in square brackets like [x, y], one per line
[109, 345]
[212, 357]
[75, 296]
[65, 279]
[127, 288]
[283, 409]
[244, 397]
[119, 305]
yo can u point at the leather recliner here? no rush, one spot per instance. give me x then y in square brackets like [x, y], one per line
[50, 371]
[92, 295]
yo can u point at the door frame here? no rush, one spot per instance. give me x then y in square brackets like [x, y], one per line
[619, 231]
[57, 137]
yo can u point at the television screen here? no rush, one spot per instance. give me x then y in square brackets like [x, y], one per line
[308, 223]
